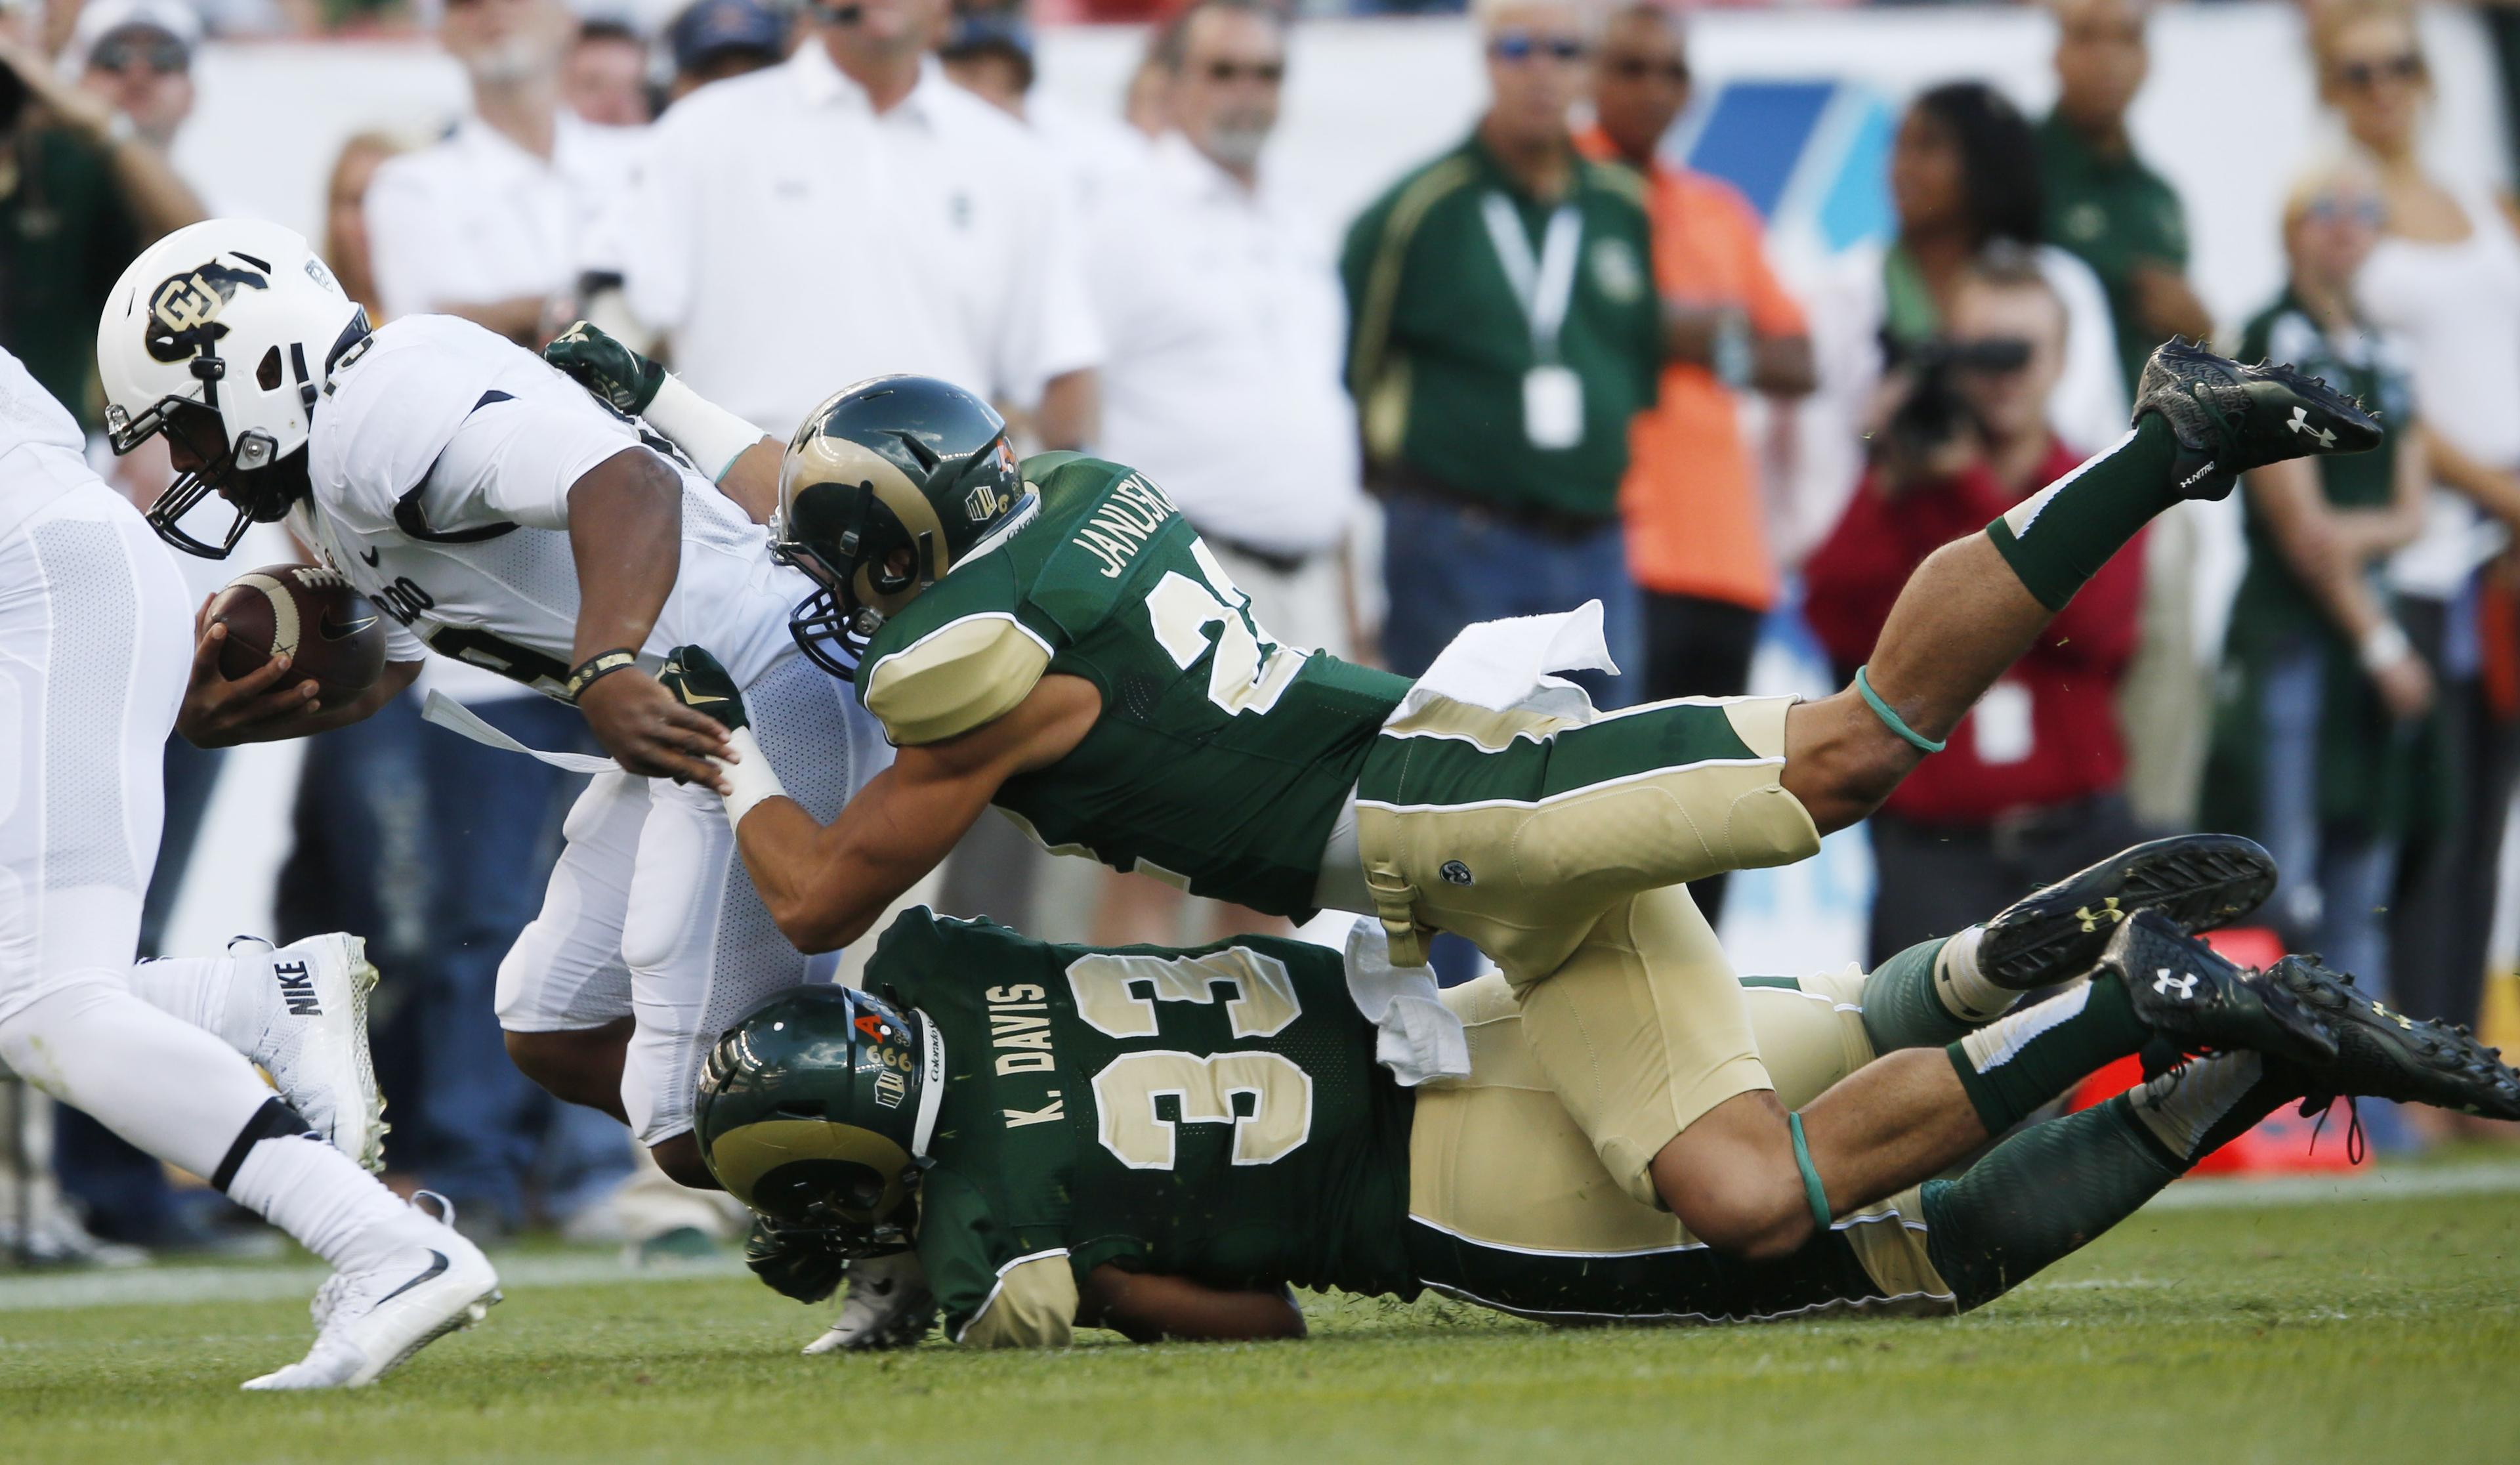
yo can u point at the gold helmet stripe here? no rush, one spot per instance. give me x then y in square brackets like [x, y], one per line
[822, 458]
[741, 1157]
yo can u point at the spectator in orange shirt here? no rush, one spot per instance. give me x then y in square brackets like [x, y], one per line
[1698, 543]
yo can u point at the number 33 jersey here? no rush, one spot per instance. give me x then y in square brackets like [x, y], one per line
[1214, 1113]
[1222, 756]
[442, 457]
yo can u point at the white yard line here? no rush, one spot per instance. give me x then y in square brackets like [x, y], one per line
[160, 1286]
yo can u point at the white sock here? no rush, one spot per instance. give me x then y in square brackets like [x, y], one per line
[319, 1195]
[203, 991]
[1965, 993]
[2180, 1106]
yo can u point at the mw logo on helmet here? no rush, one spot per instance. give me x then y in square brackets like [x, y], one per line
[184, 309]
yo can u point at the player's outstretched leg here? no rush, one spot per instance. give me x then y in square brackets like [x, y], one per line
[401, 1278]
[1936, 993]
[2045, 1192]
[301, 1012]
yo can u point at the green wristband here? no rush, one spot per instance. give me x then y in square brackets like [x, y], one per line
[1891, 719]
[1812, 1191]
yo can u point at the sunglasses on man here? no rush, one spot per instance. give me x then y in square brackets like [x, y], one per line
[2363, 76]
[1226, 72]
[1519, 46]
[155, 50]
[1641, 69]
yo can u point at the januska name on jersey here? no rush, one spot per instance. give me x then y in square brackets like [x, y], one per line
[1123, 524]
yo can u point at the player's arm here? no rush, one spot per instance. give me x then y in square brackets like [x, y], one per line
[625, 532]
[265, 705]
[739, 457]
[1150, 1308]
[825, 885]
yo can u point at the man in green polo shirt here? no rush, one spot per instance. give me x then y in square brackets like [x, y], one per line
[2103, 203]
[1503, 328]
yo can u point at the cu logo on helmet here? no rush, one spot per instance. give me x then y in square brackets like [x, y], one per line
[184, 309]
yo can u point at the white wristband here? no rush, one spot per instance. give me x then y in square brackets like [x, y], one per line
[2385, 647]
[713, 436]
[749, 781]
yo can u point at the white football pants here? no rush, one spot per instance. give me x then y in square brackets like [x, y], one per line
[650, 914]
[94, 648]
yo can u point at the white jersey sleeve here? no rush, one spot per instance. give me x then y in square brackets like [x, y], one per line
[444, 431]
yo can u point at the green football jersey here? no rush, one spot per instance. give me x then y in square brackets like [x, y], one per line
[1214, 1113]
[1222, 756]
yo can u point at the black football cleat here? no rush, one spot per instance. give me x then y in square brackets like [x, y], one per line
[2230, 418]
[2384, 1054]
[2197, 1002]
[2199, 881]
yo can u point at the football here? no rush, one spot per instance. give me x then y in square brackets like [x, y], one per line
[309, 612]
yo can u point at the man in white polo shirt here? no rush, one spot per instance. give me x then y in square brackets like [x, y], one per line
[1228, 332]
[501, 219]
[852, 212]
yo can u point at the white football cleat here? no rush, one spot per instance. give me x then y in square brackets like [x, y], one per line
[313, 1012]
[888, 1306]
[370, 1319]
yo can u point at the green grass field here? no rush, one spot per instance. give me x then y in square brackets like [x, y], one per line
[2367, 1329]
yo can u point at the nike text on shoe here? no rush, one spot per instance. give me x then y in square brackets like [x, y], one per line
[2229, 418]
[2197, 1001]
[2385, 1054]
[889, 1305]
[315, 1042]
[2200, 880]
[369, 1318]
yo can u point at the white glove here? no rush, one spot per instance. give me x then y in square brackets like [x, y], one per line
[887, 1307]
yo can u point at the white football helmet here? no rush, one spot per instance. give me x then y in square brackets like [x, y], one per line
[221, 336]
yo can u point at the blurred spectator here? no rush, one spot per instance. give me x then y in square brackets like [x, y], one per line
[1963, 175]
[1505, 331]
[2029, 789]
[1697, 543]
[1226, 333]
[2315, 748]
[346, 216]
[852, 212]
[2444, 280]
[988, 53]
[81, 192]
[716, 39]
[1143, 103]
[604, 80]
[138, 56]
[497, 221]
[2118, 216]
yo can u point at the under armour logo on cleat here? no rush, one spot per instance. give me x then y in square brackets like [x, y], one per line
[2108, 912]
[2163, 982]
[2301, 424]
[2403, 1022]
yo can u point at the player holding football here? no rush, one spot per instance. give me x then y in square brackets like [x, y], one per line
[1163, 1141]
[94, 649]
[1057, 641]
[502, 518]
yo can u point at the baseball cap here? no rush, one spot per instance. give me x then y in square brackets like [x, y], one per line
[714, 26]
[105, 20]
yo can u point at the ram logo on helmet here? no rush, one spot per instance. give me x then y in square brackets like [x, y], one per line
[184, 309]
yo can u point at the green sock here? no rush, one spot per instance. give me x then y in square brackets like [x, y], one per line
[2051, 1189]
[1902, 1008]
[2023, 1060]
[2061, 535]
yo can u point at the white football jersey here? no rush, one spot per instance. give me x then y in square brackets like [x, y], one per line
[442, 456]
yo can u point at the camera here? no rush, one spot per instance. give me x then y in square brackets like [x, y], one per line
[1935, 411]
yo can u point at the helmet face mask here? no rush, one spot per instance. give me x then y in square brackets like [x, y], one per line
[887, 486]
[811, 1111]
[220, 337]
